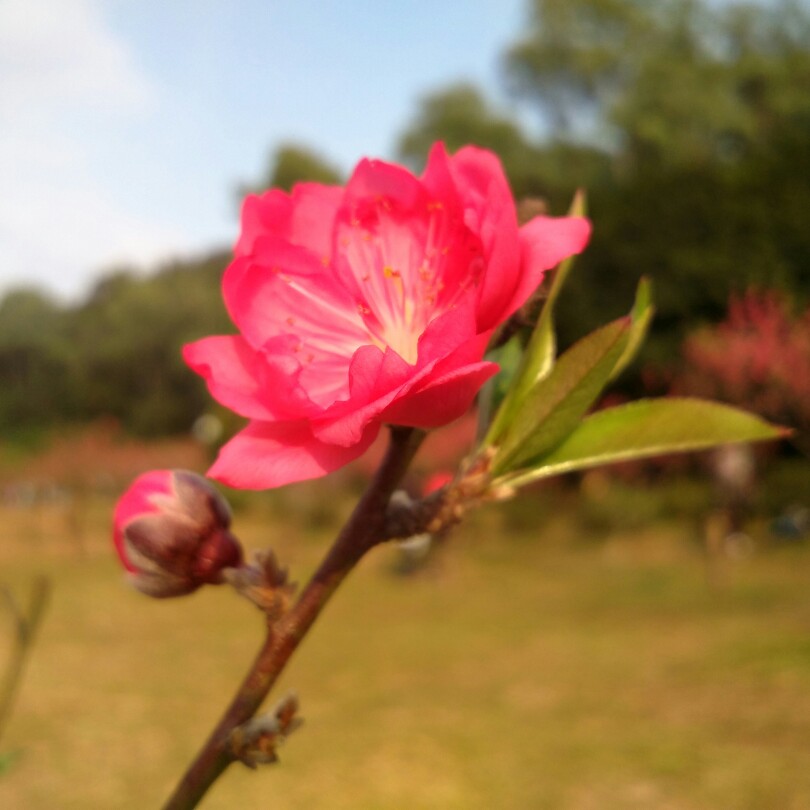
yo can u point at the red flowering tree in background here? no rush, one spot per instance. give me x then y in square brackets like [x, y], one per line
[758, 357]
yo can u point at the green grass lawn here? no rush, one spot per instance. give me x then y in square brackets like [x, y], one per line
[529, 667]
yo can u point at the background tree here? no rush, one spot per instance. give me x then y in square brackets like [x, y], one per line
[675, 83]
[688, 124]
[461, 114]
[757, 357]
[36, 363]
[292, 163]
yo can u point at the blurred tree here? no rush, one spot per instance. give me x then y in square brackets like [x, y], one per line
[129, 335]
[292, 163]
[574, 58]
[36, 364]
[758, 357]
[688, 123]
[674, 83]
[460, 115]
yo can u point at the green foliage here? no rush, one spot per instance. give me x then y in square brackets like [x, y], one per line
[292, 163]
[541, 350]
[647, 428]
[36, 364]
[461, 115]
[675, 83]
[553, 407]
[640, 320]
[575, 53]
[132, 332]
[539, 430]
[115, 354]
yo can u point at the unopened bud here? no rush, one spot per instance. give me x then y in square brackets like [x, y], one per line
[171, 531]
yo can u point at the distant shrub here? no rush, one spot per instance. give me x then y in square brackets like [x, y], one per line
[757, 357]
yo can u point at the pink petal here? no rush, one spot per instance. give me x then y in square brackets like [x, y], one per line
[438, 178]
[384, 379]
[404, 252]
[245, 380]
[136, 501]
[270, 212]
[315, 207]
[490, 212]
[304, 218]
[544, 243]
[443, 374]
[444, 399]
[266, 455]
[296, 297]
[381, 234]
[376, 377]
[374, 179]
[449, 330]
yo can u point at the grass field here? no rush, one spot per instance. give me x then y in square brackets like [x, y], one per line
[529, 667]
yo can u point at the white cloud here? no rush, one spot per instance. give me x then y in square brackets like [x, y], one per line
[58, 52]
[57, 228]
[60, 62]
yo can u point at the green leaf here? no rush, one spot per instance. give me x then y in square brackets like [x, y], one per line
[556, 404]
[641, 316]
[496, 388]
[541, 350]
[648, 427]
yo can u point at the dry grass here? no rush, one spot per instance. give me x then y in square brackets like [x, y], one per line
[518, 673]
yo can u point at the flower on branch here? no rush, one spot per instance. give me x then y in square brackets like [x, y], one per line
[171, 531]
[367, 305]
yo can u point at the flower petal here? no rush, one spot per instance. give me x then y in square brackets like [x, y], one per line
[381, 380]
[270, 212]
[444, 399]
[266, 455]
[490, 212]
[304, 217]
[449, 330]
[296, 297]
[375, 179]
[376, 378]
[544, 243]
[404, 251]
[247, 381]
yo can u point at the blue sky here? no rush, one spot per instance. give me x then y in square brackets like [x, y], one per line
[125, 125]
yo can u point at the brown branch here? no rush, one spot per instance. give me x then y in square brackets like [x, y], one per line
[364, 530]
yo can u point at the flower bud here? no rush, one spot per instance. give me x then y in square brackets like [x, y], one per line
[171, 531]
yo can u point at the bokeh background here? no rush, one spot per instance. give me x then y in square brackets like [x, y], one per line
[635, 637]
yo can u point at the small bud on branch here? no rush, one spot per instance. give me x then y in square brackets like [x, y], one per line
[171, 531]
[255, 742]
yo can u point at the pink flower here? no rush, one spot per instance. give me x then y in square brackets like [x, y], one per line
[171, 531]
[366, 305]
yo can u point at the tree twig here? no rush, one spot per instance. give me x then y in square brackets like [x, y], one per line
[364, 529]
